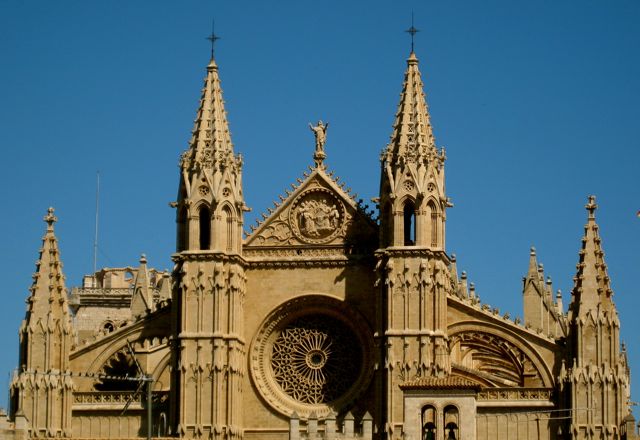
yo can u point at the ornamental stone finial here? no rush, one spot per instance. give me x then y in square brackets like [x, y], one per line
[50, 219]
[591, 207]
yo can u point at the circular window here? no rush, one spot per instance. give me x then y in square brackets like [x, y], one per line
[315, 359]
[312, 354]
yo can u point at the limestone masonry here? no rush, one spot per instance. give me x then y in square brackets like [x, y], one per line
[324, 322]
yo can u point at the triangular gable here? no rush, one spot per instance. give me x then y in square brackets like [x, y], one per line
[317, 213]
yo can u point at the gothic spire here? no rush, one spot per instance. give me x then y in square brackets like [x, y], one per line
[47, 303]
[210, 146]
[210, 201]
[591, 290]
[412, 137]
[42, 394]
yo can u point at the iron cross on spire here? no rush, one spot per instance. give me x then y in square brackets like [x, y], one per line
[213, 37]
[413, 31]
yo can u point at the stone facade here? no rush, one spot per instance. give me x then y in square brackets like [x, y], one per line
[323, 322]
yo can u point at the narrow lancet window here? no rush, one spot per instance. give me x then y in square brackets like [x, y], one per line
[205, 228]
[434, 224]
[227, 223]
[409, 224]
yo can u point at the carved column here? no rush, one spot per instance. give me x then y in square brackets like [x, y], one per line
[212, 347]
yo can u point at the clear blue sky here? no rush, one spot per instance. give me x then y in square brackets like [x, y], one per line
[535, 102]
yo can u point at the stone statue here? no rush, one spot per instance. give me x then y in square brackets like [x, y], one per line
[320, 132]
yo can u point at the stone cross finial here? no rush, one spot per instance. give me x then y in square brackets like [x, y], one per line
[50, 219]
[591, 207]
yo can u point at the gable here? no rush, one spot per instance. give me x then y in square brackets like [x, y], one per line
[317, 213]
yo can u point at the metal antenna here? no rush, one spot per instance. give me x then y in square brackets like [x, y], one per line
[413, 31]
[95, 237]
[213, 37]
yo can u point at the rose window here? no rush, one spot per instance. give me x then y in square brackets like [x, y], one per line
[312, 355]
[316, 359]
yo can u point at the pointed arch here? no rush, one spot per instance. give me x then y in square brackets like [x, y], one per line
[204, 222]
[227, 228]
[433, 220]
[409, 222]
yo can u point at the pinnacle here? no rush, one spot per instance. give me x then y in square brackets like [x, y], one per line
[412, 138]
[533, 263]
[48, 292]
[210, 146]
[591, 284]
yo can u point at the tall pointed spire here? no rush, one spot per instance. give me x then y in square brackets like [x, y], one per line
[600, 376]
[210, 200]
[412, 185]
[47, 304]
[412, 137]
[210, 145]
[40, 392]
[592, 289]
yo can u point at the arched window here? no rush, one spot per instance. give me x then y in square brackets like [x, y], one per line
[205, 228]
[227, 224]
[409, 224]
[433, 211]
[451, 423]
[429, 423]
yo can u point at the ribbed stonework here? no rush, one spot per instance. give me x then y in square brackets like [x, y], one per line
[42, 389]
[413, 269]
[595, 380]
[209, 354]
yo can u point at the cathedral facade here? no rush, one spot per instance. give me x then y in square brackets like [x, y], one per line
[327, 321]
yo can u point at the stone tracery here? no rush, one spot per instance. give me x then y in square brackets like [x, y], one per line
[315, 359]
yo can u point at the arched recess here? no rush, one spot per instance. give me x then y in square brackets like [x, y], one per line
[161, 373]
[227, 229]
[204, 227]
[121, 364]
[508, 342]
[429, 422]
[408, 222]
[451, 422]
[433, 222]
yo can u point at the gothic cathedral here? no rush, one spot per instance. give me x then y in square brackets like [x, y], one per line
[323, 322]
